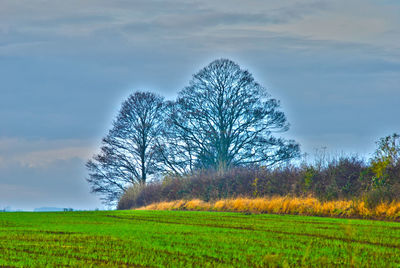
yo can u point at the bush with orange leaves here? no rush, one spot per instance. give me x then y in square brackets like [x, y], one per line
[288, 205]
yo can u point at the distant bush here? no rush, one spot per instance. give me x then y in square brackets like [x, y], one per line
[383, 174]
[340, 178]
[129, 198]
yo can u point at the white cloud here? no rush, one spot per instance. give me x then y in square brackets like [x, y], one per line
[41, 153]
[46, 157]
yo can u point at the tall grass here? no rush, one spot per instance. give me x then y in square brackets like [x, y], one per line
[288, 205]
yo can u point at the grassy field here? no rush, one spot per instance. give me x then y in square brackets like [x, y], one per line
[189, 238]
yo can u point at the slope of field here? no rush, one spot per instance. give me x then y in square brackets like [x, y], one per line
[189, 238]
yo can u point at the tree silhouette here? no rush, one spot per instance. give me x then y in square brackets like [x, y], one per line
[223, 119]
[129, 154]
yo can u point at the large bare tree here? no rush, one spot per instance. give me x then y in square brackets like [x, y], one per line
[224, 118]
[128, 154]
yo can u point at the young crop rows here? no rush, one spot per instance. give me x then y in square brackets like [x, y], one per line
[190, 238]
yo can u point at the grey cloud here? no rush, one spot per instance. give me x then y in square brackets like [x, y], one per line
[10, 146]
[169, 17]
[58, 185]
[94, 79]
[202, 18]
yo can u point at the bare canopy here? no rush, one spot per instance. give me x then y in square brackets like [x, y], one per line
[223, 119]
[128, 154]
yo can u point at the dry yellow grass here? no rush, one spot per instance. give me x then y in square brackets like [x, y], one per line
[287, 205]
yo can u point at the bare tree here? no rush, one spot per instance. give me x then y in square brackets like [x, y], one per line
[129, 154]
[223, 119]
[176, 150]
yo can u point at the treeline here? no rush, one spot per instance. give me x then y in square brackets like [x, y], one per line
[222, 120]
[348, 178]
[220, 139]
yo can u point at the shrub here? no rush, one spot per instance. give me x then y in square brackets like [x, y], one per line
[129, 198]
[343, 178]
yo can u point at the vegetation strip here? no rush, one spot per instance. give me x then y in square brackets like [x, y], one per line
[288, 205]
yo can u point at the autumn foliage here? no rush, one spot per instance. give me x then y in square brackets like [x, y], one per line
[288, 205]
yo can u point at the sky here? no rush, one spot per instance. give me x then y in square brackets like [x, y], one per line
[66, 66]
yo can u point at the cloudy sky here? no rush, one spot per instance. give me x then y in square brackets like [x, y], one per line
[65, 67]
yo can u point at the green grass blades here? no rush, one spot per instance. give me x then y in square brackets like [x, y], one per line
[189, 238]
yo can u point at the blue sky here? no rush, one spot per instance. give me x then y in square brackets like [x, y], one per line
[65, 67]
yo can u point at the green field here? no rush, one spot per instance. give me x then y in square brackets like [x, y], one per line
[167, 238]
